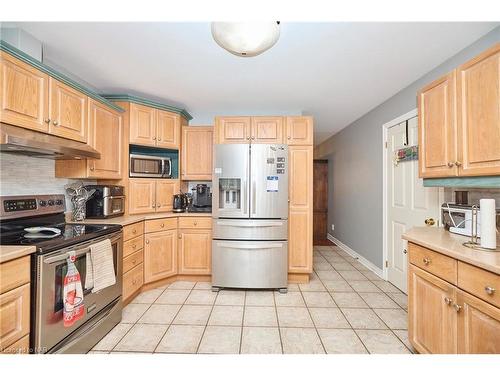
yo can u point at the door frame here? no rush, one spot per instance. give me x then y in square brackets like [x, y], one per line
[385, 132]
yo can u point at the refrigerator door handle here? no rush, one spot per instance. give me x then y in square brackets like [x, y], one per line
[251, 246]
[251, 224]
[253, 202]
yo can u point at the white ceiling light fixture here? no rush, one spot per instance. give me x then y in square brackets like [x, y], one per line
[246, 39]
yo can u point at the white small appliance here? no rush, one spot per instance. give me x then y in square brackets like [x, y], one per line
[458, 219]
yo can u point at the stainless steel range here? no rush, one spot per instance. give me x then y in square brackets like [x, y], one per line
[54, 240]
[250, 212]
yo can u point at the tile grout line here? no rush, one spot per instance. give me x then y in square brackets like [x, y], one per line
[206, 324]
[278, 321]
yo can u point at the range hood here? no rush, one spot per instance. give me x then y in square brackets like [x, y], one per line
[32, 143]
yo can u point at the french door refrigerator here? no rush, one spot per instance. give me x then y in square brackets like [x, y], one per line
[250, 212]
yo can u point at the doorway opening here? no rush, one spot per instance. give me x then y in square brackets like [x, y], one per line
[320, 202]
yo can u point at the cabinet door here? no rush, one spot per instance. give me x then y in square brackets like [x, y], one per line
[142, 125]
[232, 129]
[106, 136]
[165, 190]
[160, 255]
[267, 130]
[432, 318]
[197, 149]
[23, 94]
[68, 111]
[195, 251]
[14, 315]
[141, 196]
[299, 130]
[300, 215]
[437, 128]
[167, 130]
[478, 96]
[478, 326]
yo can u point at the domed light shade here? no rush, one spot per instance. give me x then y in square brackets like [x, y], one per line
[246, 39]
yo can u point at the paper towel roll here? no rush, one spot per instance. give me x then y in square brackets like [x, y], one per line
[488, 223]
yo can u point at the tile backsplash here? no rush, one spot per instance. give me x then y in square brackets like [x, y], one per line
[24, 175]
[474, 195]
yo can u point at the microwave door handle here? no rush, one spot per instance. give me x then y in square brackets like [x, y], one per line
[170, 168]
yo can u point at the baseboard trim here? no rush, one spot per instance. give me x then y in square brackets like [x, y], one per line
[365, 262]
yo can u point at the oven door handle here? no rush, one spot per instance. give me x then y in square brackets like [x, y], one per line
[58, 258]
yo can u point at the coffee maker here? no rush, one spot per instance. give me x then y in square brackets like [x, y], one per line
[202, 199]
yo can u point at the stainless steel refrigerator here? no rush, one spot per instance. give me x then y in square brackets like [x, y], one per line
[250, 212]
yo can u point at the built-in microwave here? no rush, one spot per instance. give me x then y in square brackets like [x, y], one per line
[150, 166]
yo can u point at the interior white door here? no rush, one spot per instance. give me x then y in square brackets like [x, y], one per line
[409, 203]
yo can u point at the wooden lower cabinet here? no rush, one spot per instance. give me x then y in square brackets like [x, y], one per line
[132, 281]
[478, 325]
[300, 239]
[14, 315]
[195, 251]
[160, 255]
[432, 320]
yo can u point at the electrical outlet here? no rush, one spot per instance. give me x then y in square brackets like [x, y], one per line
[333, 226]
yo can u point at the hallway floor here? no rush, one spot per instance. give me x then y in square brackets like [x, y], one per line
[345, 308]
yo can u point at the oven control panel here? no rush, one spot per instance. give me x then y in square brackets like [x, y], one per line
[25, 205]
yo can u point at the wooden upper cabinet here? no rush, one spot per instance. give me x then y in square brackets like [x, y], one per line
[67, 111]
[106, 136]
[24, 94]
[165, 190]
[196, 154]
[195, 251]
[232, 129]
[432, 318]
[267, 130]
[478, 326]
[160, 255]
[478, 104]
[142, 125]
[299, 130]
[437, 128]
[168, 130]
[141, 195]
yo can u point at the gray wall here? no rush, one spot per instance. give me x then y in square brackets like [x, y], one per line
[355, 162]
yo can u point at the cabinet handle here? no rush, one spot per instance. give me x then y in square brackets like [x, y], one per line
[289, 137]
[158, 205]
[153, 206]
[248, 138]
[154, 138]
[134, 246]
[159, 138]
[134, 231]
[405, 251]
[195, 223]
[427, 261]
[162, 225]
[134, 261]
[489, 290]
[147, 241]
[458, 164]
[447, 300]
[55, 123]
[253, 137]
[450, 164]
[47, 121]
[92, 168]
[134, 282]
[457, 307]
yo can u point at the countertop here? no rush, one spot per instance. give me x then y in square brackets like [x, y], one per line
[450, 244]
[8, 252]
[131, 219]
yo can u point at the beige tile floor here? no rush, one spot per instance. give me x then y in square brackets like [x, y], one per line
[346, 308]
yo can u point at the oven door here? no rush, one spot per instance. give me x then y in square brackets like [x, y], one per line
[51, 269]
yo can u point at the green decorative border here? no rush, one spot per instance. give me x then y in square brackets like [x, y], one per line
[11, 50]
[466, 182]
[149, 103]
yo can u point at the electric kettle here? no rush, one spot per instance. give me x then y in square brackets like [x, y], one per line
[180, 203]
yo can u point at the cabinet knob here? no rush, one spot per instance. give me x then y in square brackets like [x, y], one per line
[147, 241]
[92, 168]
[458, 164]
[448, 300]
[159, 138]
[248, 138]
[134, 246]
[253, 137]
[134, 231]
[153, 206]
[289, 137]
[405, 251]
[489, 290]
[450, 164]
[47, 121]
[134, 282]
[154, 138]
[180, 236]
[457, 307]
[55, 123]
[162, 225]
[426, 261]
[134, 261]
[158, 205]
[195, 223]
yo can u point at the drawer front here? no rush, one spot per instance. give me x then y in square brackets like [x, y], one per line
[480, 283]
[133, 260]
[433, 262]
[14, 273]
[132, 281]
[14, 315]
[157, 225]
[133, 230]
[195, 222]
[21, 346]
[133, 245]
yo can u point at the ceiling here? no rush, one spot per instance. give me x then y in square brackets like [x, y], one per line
[334, 71]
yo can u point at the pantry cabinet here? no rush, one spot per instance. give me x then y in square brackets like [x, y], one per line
[151, 195]
[24, 94]
[105, 136]
[197, 153]
[160, 255]
[459, 120]
[153, 127]
[459, 315]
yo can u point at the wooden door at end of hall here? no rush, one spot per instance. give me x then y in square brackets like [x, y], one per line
[320, 201]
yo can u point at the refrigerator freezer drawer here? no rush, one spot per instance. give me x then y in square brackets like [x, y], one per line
[250, 264]
[246, 229]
